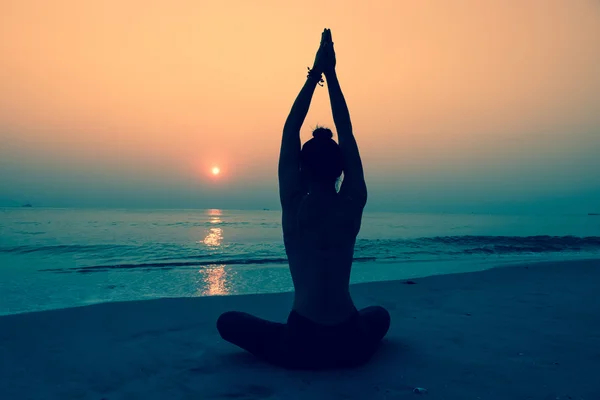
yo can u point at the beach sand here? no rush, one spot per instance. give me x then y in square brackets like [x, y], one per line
[519, 332]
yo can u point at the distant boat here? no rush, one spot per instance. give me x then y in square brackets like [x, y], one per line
[28, 205]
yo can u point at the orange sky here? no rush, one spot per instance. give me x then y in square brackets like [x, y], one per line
[160, 91]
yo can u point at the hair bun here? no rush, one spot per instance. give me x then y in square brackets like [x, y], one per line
[322, 133]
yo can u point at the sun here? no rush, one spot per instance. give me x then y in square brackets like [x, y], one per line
[215, 171]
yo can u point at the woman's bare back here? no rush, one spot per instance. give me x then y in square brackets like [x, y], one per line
[319, 236]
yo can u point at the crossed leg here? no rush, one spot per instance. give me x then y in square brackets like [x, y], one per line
[258, 336]
[266, 339]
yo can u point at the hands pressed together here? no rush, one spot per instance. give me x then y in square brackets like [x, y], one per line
[325, 59]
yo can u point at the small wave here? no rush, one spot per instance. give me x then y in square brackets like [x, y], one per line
[517, 244]
[172, 265]
[207, 224]
[169, 256]
[479, 244]
[61, 248]
[31, 232]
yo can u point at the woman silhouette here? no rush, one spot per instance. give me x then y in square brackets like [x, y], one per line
[320, 225]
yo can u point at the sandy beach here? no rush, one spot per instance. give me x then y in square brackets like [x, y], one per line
[520, 332]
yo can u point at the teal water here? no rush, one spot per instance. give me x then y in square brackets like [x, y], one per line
[54, 258]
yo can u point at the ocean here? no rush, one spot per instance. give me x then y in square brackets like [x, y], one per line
[56, 258]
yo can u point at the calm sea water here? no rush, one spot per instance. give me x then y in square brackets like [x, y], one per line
[54, 258]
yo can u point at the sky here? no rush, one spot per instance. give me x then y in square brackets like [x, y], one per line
[462, 106]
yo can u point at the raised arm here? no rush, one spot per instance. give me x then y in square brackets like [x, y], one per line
[290, 183]
[353, 185]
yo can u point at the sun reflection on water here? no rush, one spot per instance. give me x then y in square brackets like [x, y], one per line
[214, 279]
[214, 237]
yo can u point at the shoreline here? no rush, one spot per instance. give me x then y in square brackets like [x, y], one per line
[526, 331]
[362, 272]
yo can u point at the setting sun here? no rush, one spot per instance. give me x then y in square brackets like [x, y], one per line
[215, 170]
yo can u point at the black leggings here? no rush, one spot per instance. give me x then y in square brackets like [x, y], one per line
[303, 344]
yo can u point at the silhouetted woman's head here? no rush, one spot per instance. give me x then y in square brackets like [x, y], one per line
[321, 158]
